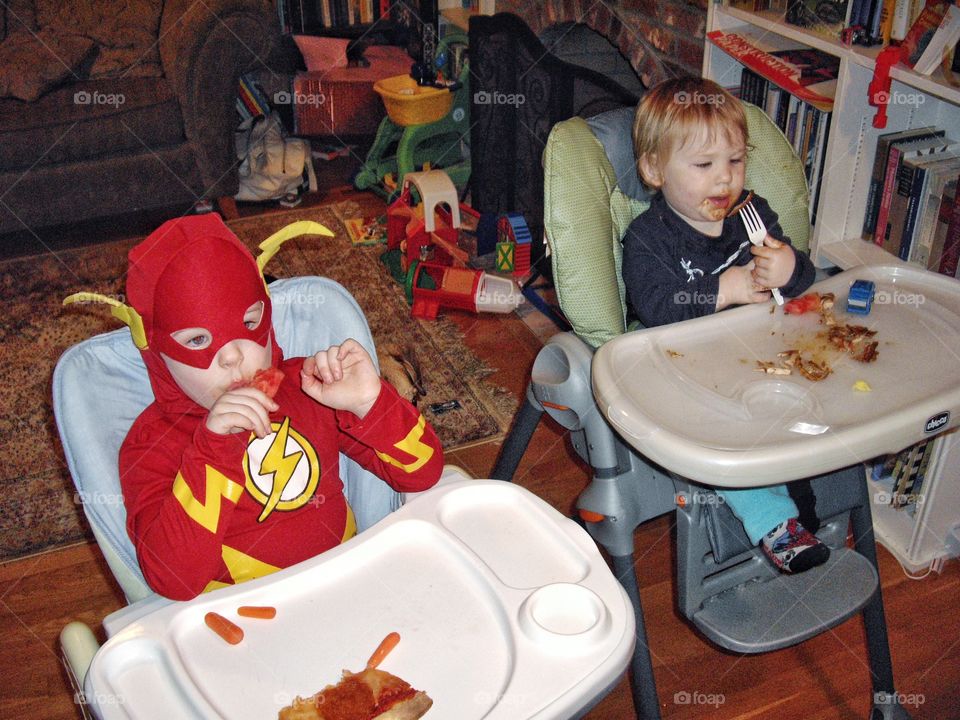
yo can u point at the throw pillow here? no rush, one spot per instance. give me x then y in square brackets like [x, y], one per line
[126, 32]
[321, 54]
[32, 64]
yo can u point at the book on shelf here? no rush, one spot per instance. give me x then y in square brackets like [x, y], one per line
[922, 29]
[911, 176]
[942, 41]
[881, 153]
[895, 157]
[804, 125]
[757, 53]
[927, 246]
[826, 19]
[929, 176]
[950, 218]
[904, 473]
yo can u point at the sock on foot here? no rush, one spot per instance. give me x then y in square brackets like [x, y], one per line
[792, 548]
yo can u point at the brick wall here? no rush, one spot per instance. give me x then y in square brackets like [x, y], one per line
[659, 37]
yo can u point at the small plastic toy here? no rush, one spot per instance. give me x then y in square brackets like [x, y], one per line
[512, 231]
[878, 90]
[432, 286]
[429, 230]
[860, 297]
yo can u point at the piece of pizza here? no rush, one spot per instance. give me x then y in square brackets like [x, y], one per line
[370, 694]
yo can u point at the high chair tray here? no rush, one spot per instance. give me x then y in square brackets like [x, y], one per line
[505, 609]
[690, 397]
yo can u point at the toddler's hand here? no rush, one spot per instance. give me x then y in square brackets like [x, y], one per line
[342, 377]
[737, 287]
[773, 263]
[243, 409]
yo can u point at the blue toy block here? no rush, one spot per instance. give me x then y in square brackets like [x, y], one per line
[860, 297]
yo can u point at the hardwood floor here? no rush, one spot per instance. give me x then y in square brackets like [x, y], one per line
[823, 679]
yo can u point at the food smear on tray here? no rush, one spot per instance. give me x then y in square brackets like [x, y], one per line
[813, 358]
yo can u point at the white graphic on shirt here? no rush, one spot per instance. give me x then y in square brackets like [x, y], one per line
[729, 261]
[692, 272]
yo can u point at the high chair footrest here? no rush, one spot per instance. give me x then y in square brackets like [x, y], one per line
[770, 614]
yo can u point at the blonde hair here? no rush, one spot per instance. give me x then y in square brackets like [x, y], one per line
[679, 110]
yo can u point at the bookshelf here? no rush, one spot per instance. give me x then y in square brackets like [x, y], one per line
[923, 534]
[923, 100]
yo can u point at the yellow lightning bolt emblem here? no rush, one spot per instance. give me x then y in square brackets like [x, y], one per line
[281, 465]
[411, 445]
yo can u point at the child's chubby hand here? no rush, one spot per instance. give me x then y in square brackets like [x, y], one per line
[243, 409]
[738, 287]
[342, 377]
[773, 263]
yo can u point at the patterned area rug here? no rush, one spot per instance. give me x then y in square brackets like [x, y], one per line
[40, 510]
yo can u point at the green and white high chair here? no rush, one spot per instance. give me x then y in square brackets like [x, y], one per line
[725, 587]
[100, 386]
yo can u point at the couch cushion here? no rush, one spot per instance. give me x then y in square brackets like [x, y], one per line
[31, 64]
[87, 120]
[126, 32]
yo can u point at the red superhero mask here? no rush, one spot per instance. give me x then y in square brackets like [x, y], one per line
[193, 272]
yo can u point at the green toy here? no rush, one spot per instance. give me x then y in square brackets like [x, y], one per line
[442, 143]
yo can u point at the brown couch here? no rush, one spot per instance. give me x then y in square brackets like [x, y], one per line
[114, 107]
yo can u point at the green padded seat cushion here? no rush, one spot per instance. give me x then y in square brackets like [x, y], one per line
[586, 215]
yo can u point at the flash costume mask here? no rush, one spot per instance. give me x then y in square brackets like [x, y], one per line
[194, 272]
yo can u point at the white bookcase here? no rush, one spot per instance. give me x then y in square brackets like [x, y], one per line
[921, 538]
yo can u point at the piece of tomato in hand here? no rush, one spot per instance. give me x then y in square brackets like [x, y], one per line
[804, 304]
[267, 381]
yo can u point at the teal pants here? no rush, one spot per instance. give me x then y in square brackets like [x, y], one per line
[760, 509]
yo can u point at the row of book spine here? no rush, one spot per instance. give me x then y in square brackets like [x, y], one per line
[905, 473]
[805, 126]
[913, 206]
[251, 100]
[305, 16]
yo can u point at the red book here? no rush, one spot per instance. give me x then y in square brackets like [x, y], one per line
[776, 69]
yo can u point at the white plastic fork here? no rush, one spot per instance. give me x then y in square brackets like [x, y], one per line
[757, 231]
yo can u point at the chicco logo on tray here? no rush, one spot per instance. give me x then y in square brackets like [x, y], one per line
[937, 422]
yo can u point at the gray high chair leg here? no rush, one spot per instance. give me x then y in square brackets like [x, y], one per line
[886, 705]
[612, 491]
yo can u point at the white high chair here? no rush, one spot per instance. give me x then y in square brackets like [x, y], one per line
[725, 587]
[100, 386]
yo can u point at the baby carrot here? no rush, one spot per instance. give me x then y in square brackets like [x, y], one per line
[259, 612]
[383, 649]
[223, 627]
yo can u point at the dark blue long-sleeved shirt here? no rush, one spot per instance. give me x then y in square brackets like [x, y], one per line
[672, 271]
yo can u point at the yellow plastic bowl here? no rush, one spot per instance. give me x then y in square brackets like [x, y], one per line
[410, 104]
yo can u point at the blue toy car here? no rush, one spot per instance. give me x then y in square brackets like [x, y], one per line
[861, 297]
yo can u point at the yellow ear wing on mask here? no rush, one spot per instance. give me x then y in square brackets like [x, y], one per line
[270, 246]
[124, 313]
